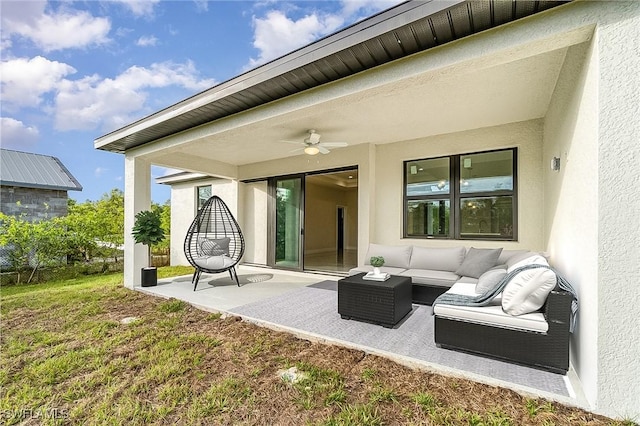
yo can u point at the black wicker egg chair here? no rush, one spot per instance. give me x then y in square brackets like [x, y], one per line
[214, 241]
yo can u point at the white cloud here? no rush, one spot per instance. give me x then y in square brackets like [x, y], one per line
[145, 41]
[17, 135]
[202, 5]
[25, 81]
[62, 29]
[276, 34]
[140, 7]
[99, 171]
[93, 102]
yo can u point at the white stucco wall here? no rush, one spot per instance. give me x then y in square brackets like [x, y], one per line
[253, 221]
[570, 202]
[526, 136]
[618, 38]
[591, 206]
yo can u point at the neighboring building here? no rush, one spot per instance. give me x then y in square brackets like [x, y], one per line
[533, 104]
[34, 186]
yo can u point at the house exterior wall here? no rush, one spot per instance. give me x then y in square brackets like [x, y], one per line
[618, 209]
[570, 201]
[33, 203]
[254, 197]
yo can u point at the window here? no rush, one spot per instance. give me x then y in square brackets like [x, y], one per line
[469, 196]
[203, 194]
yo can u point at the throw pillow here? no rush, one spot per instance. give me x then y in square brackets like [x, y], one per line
[478, 261]
[528, 290]
[490, 279]
[215, 247]
[531, 258]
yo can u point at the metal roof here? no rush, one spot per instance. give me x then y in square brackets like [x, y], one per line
[28, 170]
[400, 31]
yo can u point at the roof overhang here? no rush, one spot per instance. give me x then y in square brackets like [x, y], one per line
[401, 31]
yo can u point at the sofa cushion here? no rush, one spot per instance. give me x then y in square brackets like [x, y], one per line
[468, 280]
[508, 254]
[214, 262]
[493, 315]
[394, 256]
[214, 247]
[478, 261]
[490, 279]
[368, 268]
[528, 290]
[527, 259]
[431, 277]
[439, 259]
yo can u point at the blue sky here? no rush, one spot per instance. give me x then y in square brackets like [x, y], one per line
[73, 71]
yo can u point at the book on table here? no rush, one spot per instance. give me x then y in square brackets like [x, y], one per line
[383, 276]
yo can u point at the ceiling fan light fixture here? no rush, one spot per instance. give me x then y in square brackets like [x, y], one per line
[311, 150]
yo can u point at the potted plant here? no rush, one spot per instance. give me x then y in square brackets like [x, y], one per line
[376, 262]
[147, 230]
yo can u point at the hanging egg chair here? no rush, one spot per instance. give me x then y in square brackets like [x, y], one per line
[214, 241]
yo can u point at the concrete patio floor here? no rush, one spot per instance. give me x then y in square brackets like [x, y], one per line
[218, 293]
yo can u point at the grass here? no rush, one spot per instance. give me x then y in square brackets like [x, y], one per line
[68, 359]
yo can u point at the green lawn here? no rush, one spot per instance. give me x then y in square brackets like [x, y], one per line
[68, 359]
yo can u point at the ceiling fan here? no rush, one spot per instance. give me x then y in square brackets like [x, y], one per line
[312, 144]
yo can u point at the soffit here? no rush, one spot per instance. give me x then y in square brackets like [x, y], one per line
[406, 29]
[466, 98]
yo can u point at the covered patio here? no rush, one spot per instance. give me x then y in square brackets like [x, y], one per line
[306, 306]
[554, 81]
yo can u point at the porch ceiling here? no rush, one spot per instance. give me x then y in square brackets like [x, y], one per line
[401, 31]
[424, 105]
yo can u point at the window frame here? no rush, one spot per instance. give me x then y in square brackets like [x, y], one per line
[197, 197]
[455, 197]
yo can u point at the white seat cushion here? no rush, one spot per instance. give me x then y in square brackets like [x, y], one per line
[493, 315]
[427, 276]
[214, 262]
[490, 315]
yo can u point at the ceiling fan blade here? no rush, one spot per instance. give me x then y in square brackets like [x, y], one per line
[322, 149]
[334, 144]
[297, 150]
[293, 142]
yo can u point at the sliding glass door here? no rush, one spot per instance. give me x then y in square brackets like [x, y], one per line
[288, 232]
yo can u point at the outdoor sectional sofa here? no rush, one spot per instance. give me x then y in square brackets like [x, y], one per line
[527, 323]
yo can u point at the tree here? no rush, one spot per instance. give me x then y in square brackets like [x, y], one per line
[108, 225]
[147, 229]
[79, 224]
[164, 212]
[32, 244]
[14, 235]
[48, 240]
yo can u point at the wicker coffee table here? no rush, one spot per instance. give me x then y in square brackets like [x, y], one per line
[379, 302]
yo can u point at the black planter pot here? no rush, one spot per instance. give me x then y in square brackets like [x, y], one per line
[149, 276]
